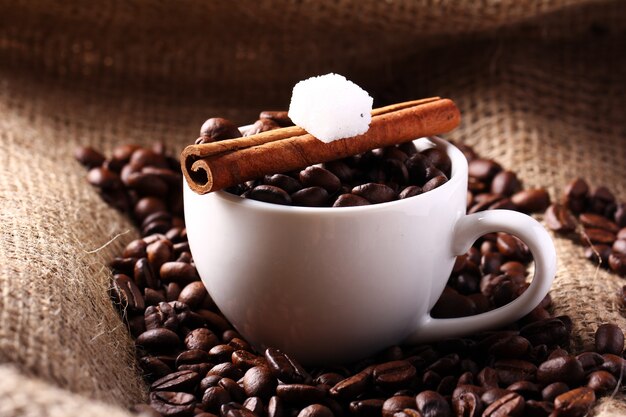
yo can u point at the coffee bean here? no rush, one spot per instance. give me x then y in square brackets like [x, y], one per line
[300, 393]
[179, 272]
[511, 404]
[483, 169]
[280, 117]
[191, 357]
[505, 183]
[317, 176]
[592, 220]
[532, 200]
[410, 191]
[185, 381]
[127, 294]
[261, 125]
[375, 193]
[269, 194]
[514, 370]
[233, 409]
[397, 403]
[512, 347]
[416, 166]
[560, 219]
[351, 387]
[158, 339]
[316, 410]
[258, 381]
[216, 129]
[394, 373]
[288, 184]
[285, 368]
[104, 178]
[173, 404]
[467, 404]
[595, 235]
[214, 397]
[432, 404]
[616, 365]
[310, 197]
[246, 360]
[562, 368]
[193, 294]
[576, 402]
[88, 156]
[439, 158]
[367, 408]
[549, 332]
[452, 304]
[201, 339]
[617, 262]
[350, 200]
[609, 339]
[434, 182]
[254, 404]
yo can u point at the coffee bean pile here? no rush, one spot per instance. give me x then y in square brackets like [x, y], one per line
[596, 220]
[197, 364]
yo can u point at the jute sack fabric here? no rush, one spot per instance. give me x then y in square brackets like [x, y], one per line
[541, 85]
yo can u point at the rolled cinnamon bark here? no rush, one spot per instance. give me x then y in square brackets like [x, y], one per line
[218, 165]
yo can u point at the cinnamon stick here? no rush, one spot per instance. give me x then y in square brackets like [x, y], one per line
[217, 165]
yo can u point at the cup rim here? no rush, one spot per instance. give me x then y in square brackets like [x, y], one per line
[459, 172]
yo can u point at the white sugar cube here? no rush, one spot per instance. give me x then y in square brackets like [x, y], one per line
[330, 107]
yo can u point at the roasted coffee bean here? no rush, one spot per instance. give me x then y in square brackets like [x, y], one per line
[254, 404]
[532, 200]
[173, 404]
[285, 368]
[488, 378]
[526, 389]
[143, 157]
[395, 171]
[280, 117]
[300, 393]
[214, 397]
[416, 166]
[246, 360]
[609, 339]
[616, 365]
[511, 404]
[154, 367]
[576, 402]
[340, 169]
[600, 236]
[310, 197]
[261, 125]
[439, 158]
[226, 370]
[617, 262]
[193, 294]
[601, 382]
[191, 357]
[351, 387]
[180, 272]
[201, 339]
[483, 169]
[452, 304]
[432, 404]
[127, 294]
[258, 381]
[560, 219]
[316, 410]
[216, 129]
[350, 200]
[234, 409]
[367, 408]
[375, 193]
[467, 404]
[104, 178]
[596, 221]
[158, 253]
[511, 347]
[394, 373]
[397, 403]
[317, 176]
[146, 184]
[514, 370]
[158, 339]
[549, 332]
[289, 184]
[88, 156]
[505, 183]
[235, 390]
[269, 194]
[410, 191]
[185, 381]
[562, 368]
[434, 182]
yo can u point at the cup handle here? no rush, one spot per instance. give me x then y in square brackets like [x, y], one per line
[467, 230]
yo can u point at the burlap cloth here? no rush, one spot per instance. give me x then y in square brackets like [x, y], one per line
[541, 85]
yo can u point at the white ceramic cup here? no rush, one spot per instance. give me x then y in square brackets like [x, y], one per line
[332, 285]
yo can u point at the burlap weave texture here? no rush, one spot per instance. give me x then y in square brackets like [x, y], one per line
[541, 85]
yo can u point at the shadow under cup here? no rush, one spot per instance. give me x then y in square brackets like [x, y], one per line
[327, 285]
